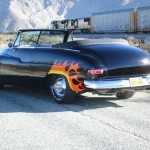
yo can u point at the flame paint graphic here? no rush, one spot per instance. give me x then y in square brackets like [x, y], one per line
[71, 72]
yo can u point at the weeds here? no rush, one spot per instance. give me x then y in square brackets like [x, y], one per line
[5, 39]
[138, 43]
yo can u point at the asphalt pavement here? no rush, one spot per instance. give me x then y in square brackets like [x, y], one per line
[31, 120]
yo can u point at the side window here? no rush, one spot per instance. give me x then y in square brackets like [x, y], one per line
[27, 39]
[51, 37]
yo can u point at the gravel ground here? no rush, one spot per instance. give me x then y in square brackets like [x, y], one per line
[31, 120]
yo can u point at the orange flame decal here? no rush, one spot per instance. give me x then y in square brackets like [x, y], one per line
[71, 72]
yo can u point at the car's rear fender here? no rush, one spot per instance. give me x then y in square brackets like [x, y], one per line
[76, 68]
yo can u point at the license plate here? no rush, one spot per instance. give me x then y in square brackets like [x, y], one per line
[136, 82]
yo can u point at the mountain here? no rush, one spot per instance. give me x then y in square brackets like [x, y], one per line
[16, 14]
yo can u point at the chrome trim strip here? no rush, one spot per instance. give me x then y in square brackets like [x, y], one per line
[114, 84]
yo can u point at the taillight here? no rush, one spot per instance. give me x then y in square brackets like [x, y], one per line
[96, 72]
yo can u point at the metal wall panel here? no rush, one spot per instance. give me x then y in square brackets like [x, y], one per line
[144, 19]
[70, 25]
[114, 21]
[80, 23]
[60, 25]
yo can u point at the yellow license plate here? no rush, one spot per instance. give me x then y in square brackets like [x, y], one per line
[136, 82]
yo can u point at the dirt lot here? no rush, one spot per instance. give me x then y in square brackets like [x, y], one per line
[31, 120]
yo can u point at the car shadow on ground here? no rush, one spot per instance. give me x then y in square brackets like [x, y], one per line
[36, 100]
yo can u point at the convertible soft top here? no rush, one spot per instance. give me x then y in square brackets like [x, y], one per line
[90, 42]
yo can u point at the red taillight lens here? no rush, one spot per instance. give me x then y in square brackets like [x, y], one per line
[93, 72]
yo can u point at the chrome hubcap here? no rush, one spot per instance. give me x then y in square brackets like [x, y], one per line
[60, 87]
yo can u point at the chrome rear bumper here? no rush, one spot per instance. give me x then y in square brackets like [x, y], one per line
[115, 84]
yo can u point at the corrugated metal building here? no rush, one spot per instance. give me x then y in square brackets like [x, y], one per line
[144, 18]
[112, 21]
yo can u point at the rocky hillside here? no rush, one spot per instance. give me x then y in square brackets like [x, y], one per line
[15, 14]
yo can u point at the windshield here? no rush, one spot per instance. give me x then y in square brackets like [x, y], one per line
[39, 38]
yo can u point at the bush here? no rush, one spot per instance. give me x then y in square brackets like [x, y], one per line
[133, 41]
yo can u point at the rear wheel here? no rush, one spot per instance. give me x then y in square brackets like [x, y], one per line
[61, 90]
[125, 94]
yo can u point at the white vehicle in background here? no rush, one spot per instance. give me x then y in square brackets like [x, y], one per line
[127, 20]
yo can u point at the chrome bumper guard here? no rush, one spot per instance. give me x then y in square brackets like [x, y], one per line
[114, 84]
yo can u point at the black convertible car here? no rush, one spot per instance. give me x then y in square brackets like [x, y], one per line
[67, 67]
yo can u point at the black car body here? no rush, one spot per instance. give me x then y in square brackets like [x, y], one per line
[44, 56]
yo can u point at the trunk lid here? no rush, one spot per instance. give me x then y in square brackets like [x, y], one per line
[120, 59]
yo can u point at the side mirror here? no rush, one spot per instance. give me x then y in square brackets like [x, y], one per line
[10, 44]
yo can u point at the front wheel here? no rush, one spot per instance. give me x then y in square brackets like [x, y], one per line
[125, 94]
[61, 90]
